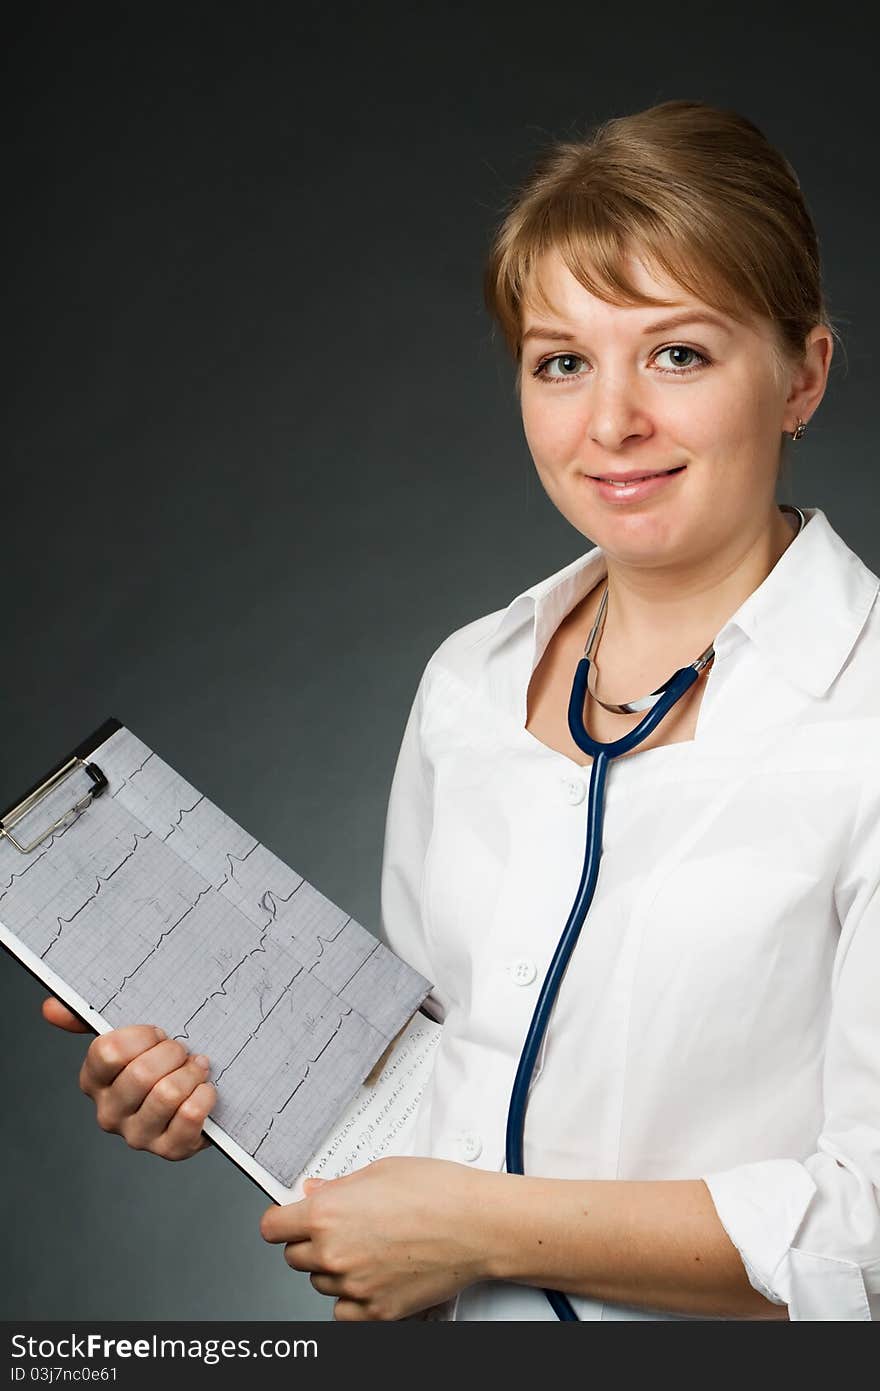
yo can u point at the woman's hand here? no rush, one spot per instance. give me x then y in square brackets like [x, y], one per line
[146, 1087]
[390, 1239]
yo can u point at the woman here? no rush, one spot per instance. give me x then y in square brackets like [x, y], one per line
[702, 1134]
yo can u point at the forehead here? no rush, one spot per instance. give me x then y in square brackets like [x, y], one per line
[569, 300]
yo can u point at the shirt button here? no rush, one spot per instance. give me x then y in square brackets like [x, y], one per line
[522, 971]
[470, 1146]
[574, 789]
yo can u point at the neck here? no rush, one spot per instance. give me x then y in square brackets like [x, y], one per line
[661, 610]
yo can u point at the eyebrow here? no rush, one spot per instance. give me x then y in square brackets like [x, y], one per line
[688, 316]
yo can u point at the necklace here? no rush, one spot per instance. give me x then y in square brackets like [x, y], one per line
[630, 707]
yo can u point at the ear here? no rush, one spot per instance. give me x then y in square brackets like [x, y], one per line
[810, 378]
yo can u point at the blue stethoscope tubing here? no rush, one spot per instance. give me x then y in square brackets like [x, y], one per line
[602, 755]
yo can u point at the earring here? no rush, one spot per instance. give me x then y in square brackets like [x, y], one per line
[801, 428]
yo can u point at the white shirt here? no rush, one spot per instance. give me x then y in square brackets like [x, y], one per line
[720, 1015]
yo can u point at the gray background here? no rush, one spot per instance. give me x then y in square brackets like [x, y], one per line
[263, 454]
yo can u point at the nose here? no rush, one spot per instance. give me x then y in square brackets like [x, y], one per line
[615, 413]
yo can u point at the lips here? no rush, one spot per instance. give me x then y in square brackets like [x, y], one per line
[633, 477]
[634, 489]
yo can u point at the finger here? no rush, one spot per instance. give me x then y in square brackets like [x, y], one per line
[302, 1255]
[326, 1284]
[350, 1311]
[290, 1222]
[54, 1012]
[130, 1089]
[183, 1136]
[170, 1090]
[109, 1053]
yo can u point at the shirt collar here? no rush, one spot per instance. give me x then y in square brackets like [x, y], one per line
[804, 618]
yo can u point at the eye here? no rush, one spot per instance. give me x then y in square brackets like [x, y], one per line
[568, 364]
[682, 368]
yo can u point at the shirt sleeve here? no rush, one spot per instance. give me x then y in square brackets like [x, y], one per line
[808, 1230]
[408, 824]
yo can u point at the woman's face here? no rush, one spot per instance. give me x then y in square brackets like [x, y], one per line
[606, 390]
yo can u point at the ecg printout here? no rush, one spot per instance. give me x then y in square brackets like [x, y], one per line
[158, 908]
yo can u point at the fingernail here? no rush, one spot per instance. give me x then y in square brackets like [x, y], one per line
[160, 1034]
[202, 1061]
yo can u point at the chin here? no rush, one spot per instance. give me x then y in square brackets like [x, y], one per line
[638, 533]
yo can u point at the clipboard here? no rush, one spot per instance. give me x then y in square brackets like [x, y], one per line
[331, 1018]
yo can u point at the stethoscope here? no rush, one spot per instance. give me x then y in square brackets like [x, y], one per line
[658, 704]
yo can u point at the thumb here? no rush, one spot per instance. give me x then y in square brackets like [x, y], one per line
[54, 1012]
[310, 1184]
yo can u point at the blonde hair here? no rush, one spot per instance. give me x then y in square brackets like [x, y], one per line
[698, 193]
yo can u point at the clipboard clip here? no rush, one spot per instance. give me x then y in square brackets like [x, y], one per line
[27, 804]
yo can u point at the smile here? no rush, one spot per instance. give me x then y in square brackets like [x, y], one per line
[635, 489]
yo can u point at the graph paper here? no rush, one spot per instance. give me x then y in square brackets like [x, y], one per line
[156, 907]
